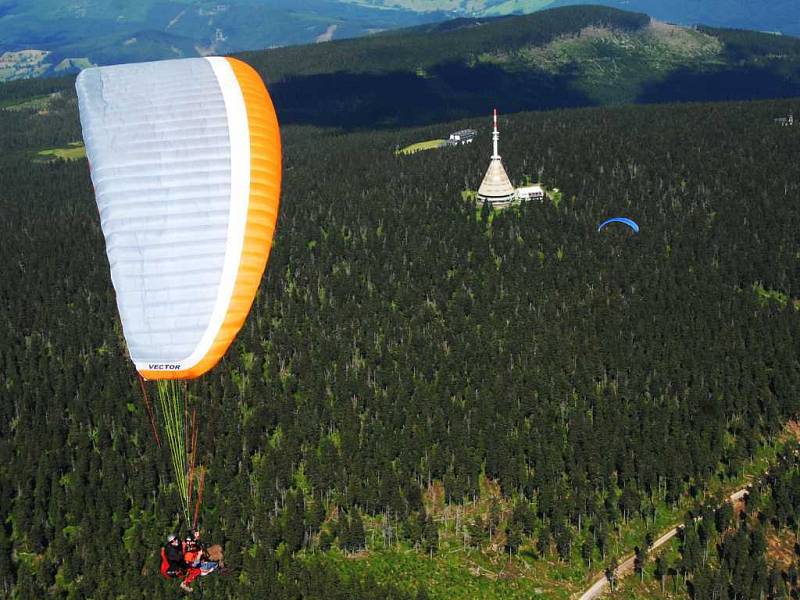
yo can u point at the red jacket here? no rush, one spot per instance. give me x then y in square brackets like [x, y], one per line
[165, 565]
[171, 569]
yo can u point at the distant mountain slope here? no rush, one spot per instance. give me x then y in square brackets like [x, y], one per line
[102, 31]
[569, 56]
[760, 15]
[776, 15]
[466, 7]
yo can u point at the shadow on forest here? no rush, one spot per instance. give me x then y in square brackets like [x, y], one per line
[744, 83]
[454, 90]
[449, 91]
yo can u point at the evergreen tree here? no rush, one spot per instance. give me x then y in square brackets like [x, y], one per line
[661, 570]
[640, 560]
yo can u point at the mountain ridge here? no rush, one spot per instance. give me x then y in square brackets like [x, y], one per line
[96, 31]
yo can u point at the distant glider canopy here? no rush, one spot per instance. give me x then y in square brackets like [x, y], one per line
[186, 164]
[630, 223]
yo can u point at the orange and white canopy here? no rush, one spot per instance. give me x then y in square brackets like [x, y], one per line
[186, 164]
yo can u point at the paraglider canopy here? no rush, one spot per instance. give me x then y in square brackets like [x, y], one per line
[186, 163]
[629, 222]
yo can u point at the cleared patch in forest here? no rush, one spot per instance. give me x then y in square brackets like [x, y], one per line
[781, 548]
[419, 146]
[74, 151]
[458, 569]
[766, 296]
[39, 103]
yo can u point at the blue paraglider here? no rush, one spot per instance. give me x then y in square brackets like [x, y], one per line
[629, 222]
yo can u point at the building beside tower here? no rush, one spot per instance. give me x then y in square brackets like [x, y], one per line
[459, 138]
[530, 192]
[786, 121]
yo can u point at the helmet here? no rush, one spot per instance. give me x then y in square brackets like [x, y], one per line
[171, 538]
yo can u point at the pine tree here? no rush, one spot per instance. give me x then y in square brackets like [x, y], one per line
[430, 535]
[661, 570]
[611, 572]
[513, 538]
[639, 561]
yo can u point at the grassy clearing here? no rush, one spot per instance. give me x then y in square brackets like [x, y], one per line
[555, 196]
[453, 575]
[74, 151]
[457, 571]
[419, 146]
[765, 296]
[36, 103]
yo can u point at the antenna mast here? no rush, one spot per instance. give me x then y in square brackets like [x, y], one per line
[495, 138]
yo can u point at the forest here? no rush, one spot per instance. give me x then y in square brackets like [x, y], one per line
[740, 537]
[742, 549]
[405, 344]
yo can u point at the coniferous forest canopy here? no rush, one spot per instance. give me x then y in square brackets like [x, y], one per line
[400, 343]
[723, 550]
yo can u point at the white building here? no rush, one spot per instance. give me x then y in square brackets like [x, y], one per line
[531, 192]
[464, 136]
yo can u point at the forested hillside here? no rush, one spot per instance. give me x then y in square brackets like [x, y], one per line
[402, 347]
[562, 57]
[746, 549]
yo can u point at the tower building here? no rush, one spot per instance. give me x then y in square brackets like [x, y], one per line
[496, 188]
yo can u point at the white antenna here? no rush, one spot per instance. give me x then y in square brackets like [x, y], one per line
[495, 138]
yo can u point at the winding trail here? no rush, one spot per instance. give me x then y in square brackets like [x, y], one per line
[626, 566]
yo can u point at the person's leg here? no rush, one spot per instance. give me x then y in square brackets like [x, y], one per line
[191, 575]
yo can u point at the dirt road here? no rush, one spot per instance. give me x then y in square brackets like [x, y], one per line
[626, 566]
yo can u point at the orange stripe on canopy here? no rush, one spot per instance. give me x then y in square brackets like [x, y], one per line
[262, 212]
